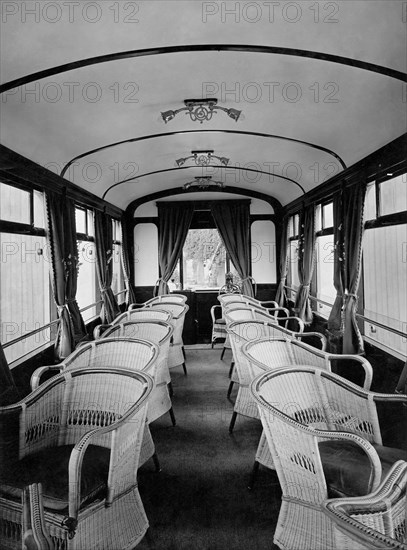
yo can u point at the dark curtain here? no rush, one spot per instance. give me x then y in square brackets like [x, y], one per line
[306, 259]
[8, 390]
[353, 208]
[130, 295]
[335, 321]
[104, 265]
[348, 234]
[233, 223]
[281, 296]
[61, 235]
[174, 221]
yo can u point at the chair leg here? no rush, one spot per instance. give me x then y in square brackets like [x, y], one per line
[185, 368]
[223, 353]
[232, 364]
[170, 389]
[156, 463]
[172, 416]
[232, 422]
[230, 389]
[253, 474]
[183, 352]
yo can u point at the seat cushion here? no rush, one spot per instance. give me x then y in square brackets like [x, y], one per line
[220, 321]
[347, 467]
[50, 467]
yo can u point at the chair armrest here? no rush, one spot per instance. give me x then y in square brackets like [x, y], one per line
[214, 309]
[300, 322]
[301, 335]
[366, 446]
[277, 309]
[99, 330]
[364, 363]
[36, 375]
[360, 519]
[272, 302]
[136, 306]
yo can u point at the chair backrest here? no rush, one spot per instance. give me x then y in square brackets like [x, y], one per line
[295, 401]
[76, 401]
[245, 312]
[132, 354]
[242, 332]
[265, 354]
[157, 332]
[177, 298]
[177, 310]
[143, 314]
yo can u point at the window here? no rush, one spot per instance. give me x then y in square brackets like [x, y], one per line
[204, 259]
[323, 287]
[25, 298]
[385, 265]
[87, 288]
[292, 257]
[118, 286]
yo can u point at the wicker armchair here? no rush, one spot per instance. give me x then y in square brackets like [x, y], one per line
[176, 355]
[177, 298]
[79, 435]
[377, 520]
[134, 315]
[324, 436]
[264, 355]
[159, 333]
[242, 332]
[132, 354]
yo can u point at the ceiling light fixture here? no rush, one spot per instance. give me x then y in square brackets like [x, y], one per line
[203, 158]
[203, 183]
[201, 109]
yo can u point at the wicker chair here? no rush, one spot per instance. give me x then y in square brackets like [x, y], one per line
[241, 332]
[176, 355]
[264, 355]
[377, 520]
[324, 436]
[159, 333]
[245, 312]
[79, 435]
[132, 354]
[134, 315]
[177, 298]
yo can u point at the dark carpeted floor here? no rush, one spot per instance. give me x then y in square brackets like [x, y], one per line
[200, 499]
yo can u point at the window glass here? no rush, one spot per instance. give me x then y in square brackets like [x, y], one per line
[24, 280]
[393, 195]
[318, 217]
[86, 288]
[385, 285]
[118, 277]
[292, 275]
[91, 223]
[80, 216]
[324, 271]
[204, 258]
[328, 215]
[370, 202]
[39, 210]
[14, 204]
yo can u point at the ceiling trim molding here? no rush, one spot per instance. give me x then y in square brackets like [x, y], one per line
[364, 65]
[131, 208]
[237, 168]
[17, 169]
[180, 132]
[376, 166]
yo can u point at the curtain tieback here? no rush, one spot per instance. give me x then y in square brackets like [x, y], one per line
[60, 309]
[306, 286]
[350, 295]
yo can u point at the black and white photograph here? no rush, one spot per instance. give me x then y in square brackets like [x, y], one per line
[203, 275]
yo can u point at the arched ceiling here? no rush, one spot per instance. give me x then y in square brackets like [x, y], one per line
[320, 85]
